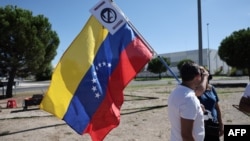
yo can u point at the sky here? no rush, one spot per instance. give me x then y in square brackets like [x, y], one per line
[167, 25]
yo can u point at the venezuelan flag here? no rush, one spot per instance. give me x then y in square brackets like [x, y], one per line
[86, 89]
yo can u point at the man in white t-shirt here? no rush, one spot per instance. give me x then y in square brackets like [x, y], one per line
[184, 109]
[244, 104]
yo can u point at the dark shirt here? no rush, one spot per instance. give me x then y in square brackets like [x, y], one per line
[209, 100]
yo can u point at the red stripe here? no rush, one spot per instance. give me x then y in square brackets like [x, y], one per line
[107, 117]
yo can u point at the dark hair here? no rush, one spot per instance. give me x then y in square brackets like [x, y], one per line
[189, 70]
[210, 77]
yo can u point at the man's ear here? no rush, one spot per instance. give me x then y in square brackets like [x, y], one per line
[197, 77]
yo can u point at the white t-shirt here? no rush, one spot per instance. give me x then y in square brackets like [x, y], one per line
[182, 102]
[247, 91]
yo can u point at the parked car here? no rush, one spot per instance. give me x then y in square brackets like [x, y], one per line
[31, 101]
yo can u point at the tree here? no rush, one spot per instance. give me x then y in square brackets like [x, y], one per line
[45, 75]
[156, 66]
[27, 45]
[235, 49]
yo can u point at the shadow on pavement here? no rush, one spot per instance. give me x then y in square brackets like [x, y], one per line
[135, 97]
[142, 109]
[237, 107]
[26, 110]
[231, 85]
[32, 129]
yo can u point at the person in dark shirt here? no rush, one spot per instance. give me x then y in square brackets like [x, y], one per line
[210, 101]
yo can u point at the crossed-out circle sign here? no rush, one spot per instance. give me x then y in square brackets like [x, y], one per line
[108, 15]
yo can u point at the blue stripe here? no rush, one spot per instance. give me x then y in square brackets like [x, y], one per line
[84, 102]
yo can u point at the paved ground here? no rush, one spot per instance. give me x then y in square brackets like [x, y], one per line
[143, 114]
[143, 117]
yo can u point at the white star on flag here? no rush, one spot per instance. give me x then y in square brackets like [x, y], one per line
[96, 90]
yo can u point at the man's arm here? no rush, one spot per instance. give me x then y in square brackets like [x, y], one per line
[186, 129]
[220, 119]
[244, 104]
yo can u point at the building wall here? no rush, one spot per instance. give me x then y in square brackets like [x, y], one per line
[211, 60]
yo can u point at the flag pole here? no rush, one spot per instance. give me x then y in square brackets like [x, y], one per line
[145, 42]
[166, 65]
[150, 47]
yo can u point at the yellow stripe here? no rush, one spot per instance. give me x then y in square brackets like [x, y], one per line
[72, 67]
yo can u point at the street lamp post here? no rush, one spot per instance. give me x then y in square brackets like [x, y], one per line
[208, 51]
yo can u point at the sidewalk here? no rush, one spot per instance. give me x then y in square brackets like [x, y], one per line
[27, 84]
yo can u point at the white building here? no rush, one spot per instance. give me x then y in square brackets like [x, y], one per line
[211, 60]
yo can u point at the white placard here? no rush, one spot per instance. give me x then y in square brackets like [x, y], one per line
[108, 15]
